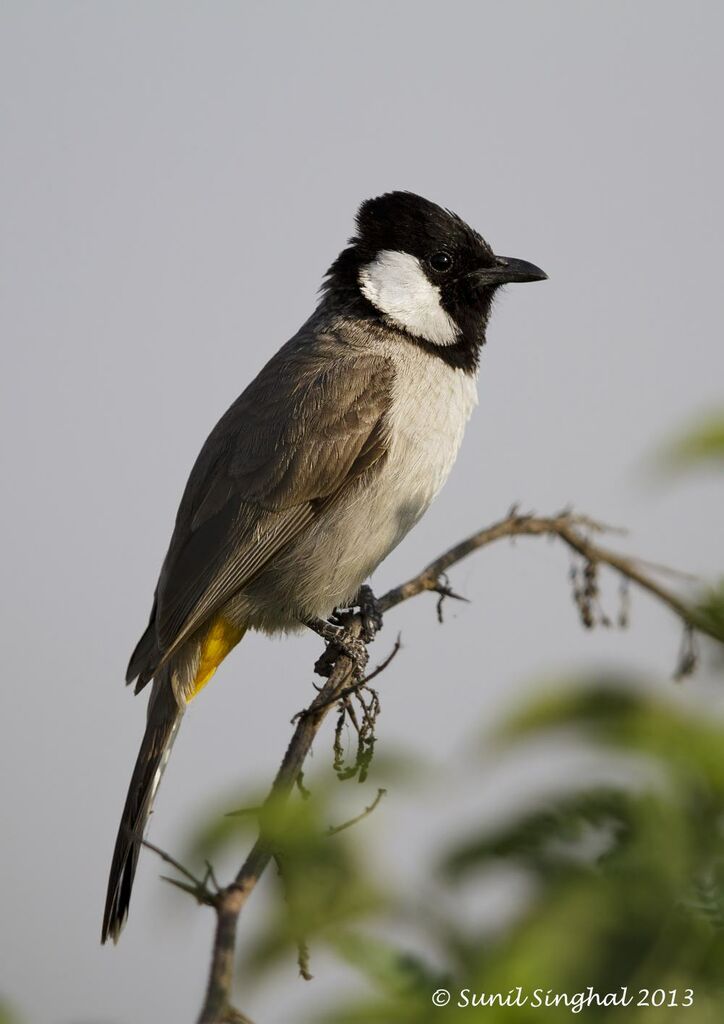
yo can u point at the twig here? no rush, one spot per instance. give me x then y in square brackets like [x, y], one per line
[570, 529]
[574, 531]
[197, 887]
[384, 664]
[334, 829]
[361, 683]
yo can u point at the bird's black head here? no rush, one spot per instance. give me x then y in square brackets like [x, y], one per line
[423, 270]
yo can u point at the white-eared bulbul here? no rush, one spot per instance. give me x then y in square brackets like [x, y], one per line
[315, 473]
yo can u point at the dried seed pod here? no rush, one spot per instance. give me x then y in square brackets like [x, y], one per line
[624, 609]
[688, 655]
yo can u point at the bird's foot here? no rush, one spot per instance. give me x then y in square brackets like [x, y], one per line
[370, 612]
[340, 641]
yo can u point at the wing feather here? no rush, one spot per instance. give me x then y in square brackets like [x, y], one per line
[312, 422]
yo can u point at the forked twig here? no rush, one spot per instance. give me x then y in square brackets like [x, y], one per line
[575, 532]
[333, 830]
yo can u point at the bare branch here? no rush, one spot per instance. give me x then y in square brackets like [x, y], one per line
[575, 532]
[231, 900]
[572, 530]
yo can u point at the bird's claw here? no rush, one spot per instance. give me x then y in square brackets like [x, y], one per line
[340, 641]
[370, 612]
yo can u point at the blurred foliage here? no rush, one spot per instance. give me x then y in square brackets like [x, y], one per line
[225, 830]
[322, 882]
[628, 880]
[7, 1015]
[624, 883]
[709, 611]
[701, 445]
[620, 885]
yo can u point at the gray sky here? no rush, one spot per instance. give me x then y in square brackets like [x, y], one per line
[175, 180]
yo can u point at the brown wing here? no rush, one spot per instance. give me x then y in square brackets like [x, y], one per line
[309, 424]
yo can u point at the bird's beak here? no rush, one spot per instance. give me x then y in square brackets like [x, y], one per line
[507, 270]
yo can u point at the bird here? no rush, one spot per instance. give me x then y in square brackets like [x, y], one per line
[317, 471]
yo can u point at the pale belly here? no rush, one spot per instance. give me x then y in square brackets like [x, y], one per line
[326, 565]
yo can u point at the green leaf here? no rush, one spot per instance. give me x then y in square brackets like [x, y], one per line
[709, 612]
[702, 444]
[7, 1015]
[561, 837]
[630, 721]
[395, 971]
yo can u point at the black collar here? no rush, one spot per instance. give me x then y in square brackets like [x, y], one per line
[351, 303]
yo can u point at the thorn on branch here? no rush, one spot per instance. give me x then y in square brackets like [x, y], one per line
[443, 589]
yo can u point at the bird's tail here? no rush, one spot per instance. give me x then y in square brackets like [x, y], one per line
[164, 718]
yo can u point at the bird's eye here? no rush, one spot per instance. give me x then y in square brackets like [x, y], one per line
[441, 262]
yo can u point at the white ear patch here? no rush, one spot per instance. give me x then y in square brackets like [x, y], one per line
[395, 283]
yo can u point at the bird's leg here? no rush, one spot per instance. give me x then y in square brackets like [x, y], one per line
[341, 641]
[370, 613]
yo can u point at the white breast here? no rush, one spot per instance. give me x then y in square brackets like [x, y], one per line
[327, 564]
[431, 406]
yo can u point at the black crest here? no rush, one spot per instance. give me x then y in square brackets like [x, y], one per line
[405, 222]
